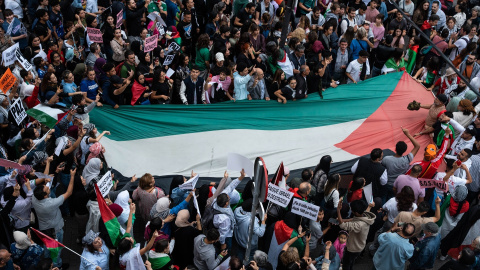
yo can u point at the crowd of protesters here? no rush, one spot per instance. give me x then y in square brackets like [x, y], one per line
[218, 51]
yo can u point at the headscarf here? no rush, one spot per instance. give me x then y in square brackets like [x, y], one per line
[176, 181]
[122, 200]
[98, 67]
[182, 219]
[89, 237]
[26, 169]
[21, 240]
[162, 207]
[89, 127]
[3, 110]
[116, 209]
[92, 170]
[39, 157]
[95, 150]
[460, 193]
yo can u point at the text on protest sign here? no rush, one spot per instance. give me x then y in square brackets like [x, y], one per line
[95, 35]
[305, 209]
[7, 81]
[173, 47]
[190, 184]
[9, 56]
[160, 29]
[105, 184]
[278, 195]
[151, 43]
[168, 60]
[430, 183]
[24, 62]
[119, 19]
[18, 111]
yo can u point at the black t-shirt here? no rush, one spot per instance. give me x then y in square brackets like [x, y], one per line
[287, 92]
[160, 89]
[243, 16]
[41, 29]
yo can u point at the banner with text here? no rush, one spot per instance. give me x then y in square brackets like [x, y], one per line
[190, 184]
[430, 183]
[95, 35]
[119, 19]
[9, 56]
[7, 81]
[151, 43]
[18, 111]
[105, 184]
[24, 62]
[305, 209]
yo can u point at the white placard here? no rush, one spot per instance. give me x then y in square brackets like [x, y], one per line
[168, 60]
[105, 184]
[190, 184]
[224, 265]
[60, 146]
[278, 195]
[238, 162]
[42, 175]
[195, 203]
[305, 209]
[368, 193]
[9, 56]
[173, 47]
[18, 111]
[169, 73]
[24, 62]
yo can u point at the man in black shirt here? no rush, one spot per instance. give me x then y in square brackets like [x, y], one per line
[185, 29]
[134, 16]
[41, 28]
[245, 15]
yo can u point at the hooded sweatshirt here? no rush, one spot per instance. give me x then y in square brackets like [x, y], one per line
[204, 254]
[358, 231]
[243, 223]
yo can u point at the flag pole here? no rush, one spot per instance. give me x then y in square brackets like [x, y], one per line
[80, 255]
[43, 138]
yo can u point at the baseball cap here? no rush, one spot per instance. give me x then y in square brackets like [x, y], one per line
[430, 152]
[219, 56]
[430, 227]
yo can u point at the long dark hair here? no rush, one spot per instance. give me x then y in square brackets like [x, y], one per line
[203, 41]
[45, 82]
[357, 184]
[405, 199]
[323, 165]
[332, 183]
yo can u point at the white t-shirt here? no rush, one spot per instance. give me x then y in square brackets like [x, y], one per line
[391, 207]
[460, 44]
[355, 69]
[452, 182]
[344, 25]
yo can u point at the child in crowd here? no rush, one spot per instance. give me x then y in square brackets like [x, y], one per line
[341, 242]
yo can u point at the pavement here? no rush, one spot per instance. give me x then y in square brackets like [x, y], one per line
[71, 234]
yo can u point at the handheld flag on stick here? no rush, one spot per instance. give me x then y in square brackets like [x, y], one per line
[279, 178]
[110, 220]
[51, 244]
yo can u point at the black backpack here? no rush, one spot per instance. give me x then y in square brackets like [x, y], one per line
[207, 218]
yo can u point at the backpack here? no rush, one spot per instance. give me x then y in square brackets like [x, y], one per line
[339, 27]
[207, 218]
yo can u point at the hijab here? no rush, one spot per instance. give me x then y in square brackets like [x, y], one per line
[122, 200]
[95, 150]
[21, 240]
[98, 67]
[176, 181]
[182, 219]
[92, 170]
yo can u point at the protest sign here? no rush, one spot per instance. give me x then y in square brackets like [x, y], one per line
[168, 60]
[150, 43]
[7, 81]
[119, 19]
[9, 56]
[95, 35]
[160, 28]
[195, 203]
[24, 62]
[45, 176]
[238, 162]
[278, 195]
[170, 72]
[154, 16]
[9, 164]
[60, 147]
[190, 184]
[368, 193]
[18, 111]
[430, 183]
[105, 184]
[173, 47]
[305, 209]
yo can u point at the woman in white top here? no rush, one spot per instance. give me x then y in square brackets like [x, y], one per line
[466, 113]
[460, 16]
[332, 196]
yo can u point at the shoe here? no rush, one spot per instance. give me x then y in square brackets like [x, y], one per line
[443, 258]
[65, 266]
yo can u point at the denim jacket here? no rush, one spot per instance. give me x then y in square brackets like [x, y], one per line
[425, 253]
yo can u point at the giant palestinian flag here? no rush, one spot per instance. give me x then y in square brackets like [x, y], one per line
[348, 122]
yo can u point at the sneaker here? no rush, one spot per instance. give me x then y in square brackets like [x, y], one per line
[443, 258]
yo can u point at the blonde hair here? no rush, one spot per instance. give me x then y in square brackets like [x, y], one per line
[361, 33]
[289, 256]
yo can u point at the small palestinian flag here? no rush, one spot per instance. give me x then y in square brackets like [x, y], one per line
[412, 58]
[281, 235]
[51, 244]
[110, 220]
[279, 177]
[46, 115]
[158, 260]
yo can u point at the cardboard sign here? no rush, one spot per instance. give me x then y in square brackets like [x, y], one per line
[105, 184]
[168, 60]
[7, 81]
[9, 56]
[151, 43]
[305, 209]
[10, 164]
[430, 183]
[24, 62]
[278, 195]
[95, 35]
[18, 111]
[119, 19]
[190, 184]
[173, 47]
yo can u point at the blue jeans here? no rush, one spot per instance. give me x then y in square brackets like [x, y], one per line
[376, 71]
[46, 253]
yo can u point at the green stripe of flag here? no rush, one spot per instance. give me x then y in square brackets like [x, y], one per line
[345, 103]
[43, 117]
[159, 262]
